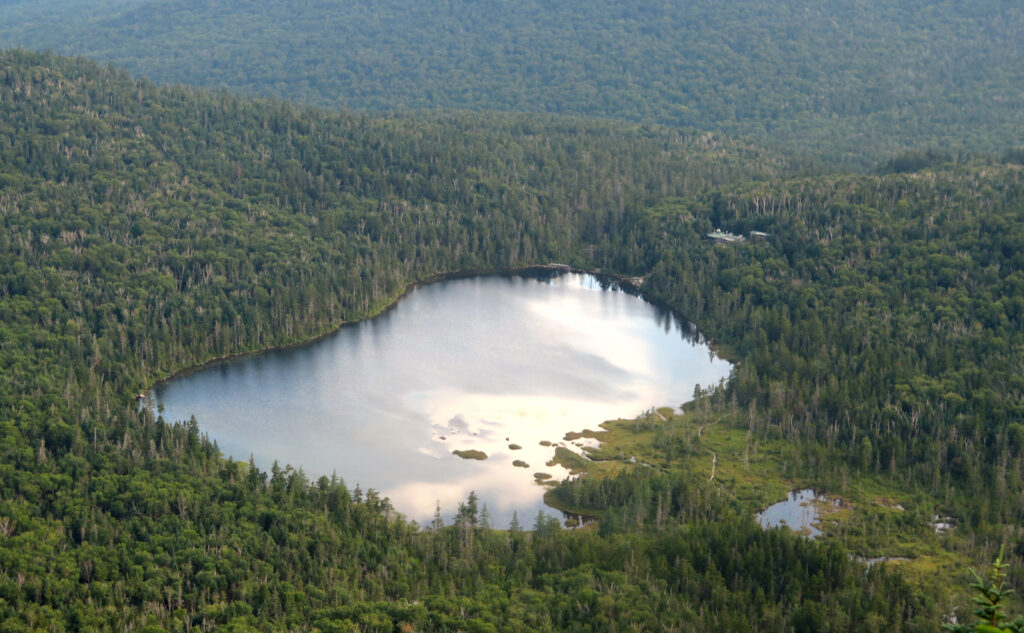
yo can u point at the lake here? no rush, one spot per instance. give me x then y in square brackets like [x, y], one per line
[469, 363]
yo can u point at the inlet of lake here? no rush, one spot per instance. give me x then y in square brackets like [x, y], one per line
[467, 363]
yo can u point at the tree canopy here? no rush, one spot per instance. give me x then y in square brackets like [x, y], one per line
[845, 81]
[146, 229]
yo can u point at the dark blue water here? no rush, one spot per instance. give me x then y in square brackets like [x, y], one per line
[459, 364]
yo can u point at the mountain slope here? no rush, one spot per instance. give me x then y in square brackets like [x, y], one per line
[846, 81]
[146, 229]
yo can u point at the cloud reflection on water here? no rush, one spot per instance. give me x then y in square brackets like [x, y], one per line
[475, 361]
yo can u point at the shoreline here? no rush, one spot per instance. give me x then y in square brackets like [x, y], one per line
[632, 283]
[629, 284]
[333, 329]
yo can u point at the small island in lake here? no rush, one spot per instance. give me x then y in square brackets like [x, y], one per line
[471, 454]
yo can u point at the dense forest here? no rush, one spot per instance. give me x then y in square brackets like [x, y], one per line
[146, 229]
[884, 314]
[877, 330]
[839, 80]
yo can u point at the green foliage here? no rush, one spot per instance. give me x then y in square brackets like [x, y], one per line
[879, 308]
[144, 230]
[992, 594]
[846, 81]
[991, 601]
[916, 161]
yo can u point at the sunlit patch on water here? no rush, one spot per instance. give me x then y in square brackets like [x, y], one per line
[465, 364]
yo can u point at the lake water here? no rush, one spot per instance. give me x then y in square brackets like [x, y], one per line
[472, 363]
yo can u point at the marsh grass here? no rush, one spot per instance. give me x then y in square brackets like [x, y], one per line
[872, 516]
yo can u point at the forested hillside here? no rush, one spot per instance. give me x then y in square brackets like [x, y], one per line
[881, 314]
[145, 229]
[266, 211]
[879, 328]
[850, 82]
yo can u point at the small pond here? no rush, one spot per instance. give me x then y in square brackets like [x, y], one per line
[799, 512]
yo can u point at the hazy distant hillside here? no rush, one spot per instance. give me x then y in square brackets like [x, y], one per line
[846, 80]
